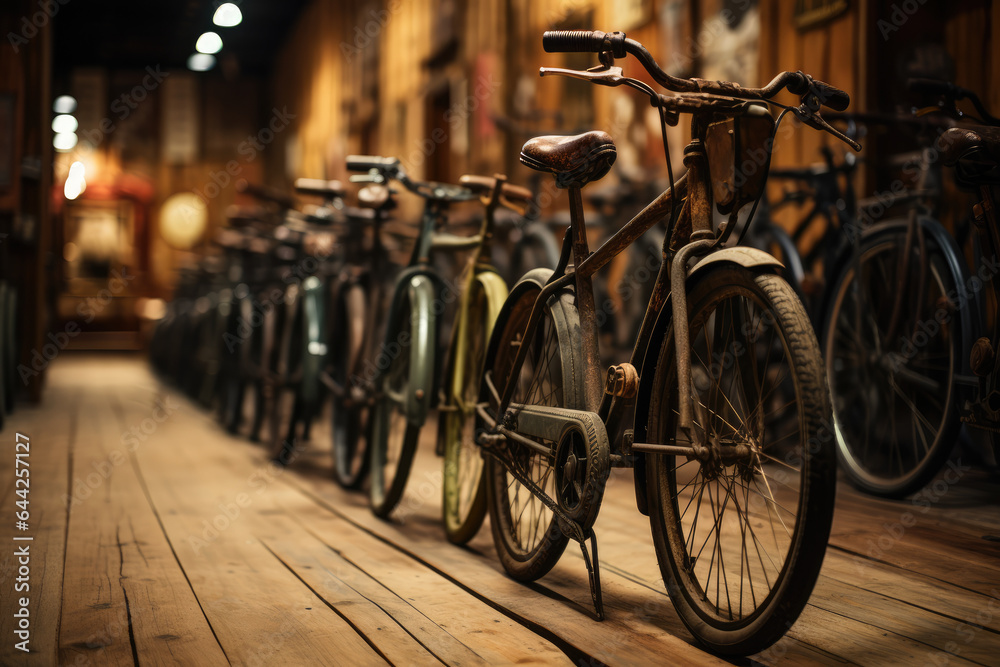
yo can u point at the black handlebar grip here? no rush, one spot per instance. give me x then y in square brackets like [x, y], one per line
[369, 162]
[831, 97]
[584, 41]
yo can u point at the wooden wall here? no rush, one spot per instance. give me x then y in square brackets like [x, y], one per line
[25, 73]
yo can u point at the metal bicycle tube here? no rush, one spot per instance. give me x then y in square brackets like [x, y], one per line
[592, 388]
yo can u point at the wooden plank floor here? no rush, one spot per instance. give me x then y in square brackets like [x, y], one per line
[159, 539]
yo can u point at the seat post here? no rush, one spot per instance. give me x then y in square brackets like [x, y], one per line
[593, 389]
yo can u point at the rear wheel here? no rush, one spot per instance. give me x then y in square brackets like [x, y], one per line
[740, 535]
[526, 532]
[464, 486]
[894, 400]
[350, 408]
[285, 407]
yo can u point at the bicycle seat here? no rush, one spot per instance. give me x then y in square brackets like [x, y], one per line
[975, 154]
[575, 160]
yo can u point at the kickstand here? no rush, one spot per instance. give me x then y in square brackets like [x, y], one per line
[594, 572]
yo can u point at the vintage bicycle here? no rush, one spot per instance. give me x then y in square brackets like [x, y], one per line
[907, 333]
[409, 364]
[740, 513]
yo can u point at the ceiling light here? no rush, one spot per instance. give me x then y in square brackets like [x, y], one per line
[210, 42]
[227, 15]
[64, 123]
[64, 104]
[201, 62]
[64, 141]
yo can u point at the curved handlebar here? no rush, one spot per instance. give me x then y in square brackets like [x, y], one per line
[595, 41]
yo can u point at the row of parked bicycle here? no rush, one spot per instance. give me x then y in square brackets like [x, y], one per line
[719, 397]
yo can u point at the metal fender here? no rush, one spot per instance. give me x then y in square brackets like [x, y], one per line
[314, 335]
[495, 289]
[749, 258]
[744, 256]
[420, 334]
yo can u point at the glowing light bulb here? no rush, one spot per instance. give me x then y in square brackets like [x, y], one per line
[64, 123]
[209, 42]
[64, 141]
[64, 104]
[227, 15]
[201, 62]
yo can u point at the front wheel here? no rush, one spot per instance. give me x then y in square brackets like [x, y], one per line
[464, 503]
[740, 533]
[403, 393]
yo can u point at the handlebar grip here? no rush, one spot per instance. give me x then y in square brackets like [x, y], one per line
[832, 97]
[369, 162]
[584, 41]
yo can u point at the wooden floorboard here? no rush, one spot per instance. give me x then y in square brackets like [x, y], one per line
[159, 539]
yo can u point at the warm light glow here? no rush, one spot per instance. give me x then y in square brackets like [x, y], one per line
[64, 123]
[210, 42]
[64, 141]
[201, 62]
[64, 104]
[75, 182]
[183, 219]
[227, 15]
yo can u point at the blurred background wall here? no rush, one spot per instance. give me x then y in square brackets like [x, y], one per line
[448, 86]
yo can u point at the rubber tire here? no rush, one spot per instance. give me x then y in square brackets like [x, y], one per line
[562, 310]
[808, 546]
[384, 498]
[284, 409]
[349, 431]
[948, 430]
[481, 318]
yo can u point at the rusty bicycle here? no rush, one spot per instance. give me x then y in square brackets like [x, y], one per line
[740, 509]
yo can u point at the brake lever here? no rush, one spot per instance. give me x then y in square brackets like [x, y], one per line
[605, 76]
[813, 119]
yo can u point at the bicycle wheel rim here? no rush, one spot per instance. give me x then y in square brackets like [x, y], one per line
[893, 434]
[464, 487]
[740, 577]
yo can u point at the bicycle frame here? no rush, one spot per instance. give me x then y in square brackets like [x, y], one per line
[670, 284]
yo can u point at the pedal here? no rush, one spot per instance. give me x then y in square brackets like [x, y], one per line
[622, 382]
